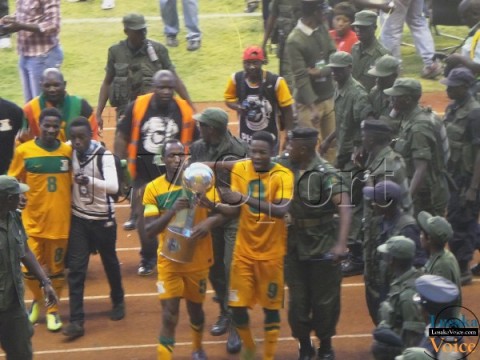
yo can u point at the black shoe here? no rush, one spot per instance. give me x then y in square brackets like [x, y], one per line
[118, 312]
[251, 7]
[130, 224]
[352, 268]
[466, 277]
[306, 353]
[475, 270]
[234, 343]
[221, 326]
[145, 268]
[325, 355]
[74, 330]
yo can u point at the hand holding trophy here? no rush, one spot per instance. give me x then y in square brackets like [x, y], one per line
[178, 245]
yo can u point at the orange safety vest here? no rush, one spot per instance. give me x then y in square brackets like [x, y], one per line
[139, 109]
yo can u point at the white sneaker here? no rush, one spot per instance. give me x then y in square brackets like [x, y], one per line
[5, 43]
[108, 4]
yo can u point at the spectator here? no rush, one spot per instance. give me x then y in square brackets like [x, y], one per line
[5, 42]
[38, 25]
[258, 96]
[93, 227]
[54, 95]
[169, 12]
[342, 33]
[11, 117]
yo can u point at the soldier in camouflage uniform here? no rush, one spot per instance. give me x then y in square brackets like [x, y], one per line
[387, 220]
[315, 244]
[283, 17]
[462, 123]
[351, 107]
[423, 144]
[386, 71]
[399, 313]
[368, 49]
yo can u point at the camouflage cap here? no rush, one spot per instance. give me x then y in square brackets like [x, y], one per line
[365, 18]
[399, 247]
[436, 227]
[10, 186]
[385, 66]
[436, 289]
[415, 353]
[340, 59]
[405, 86]
[214, 117]
[134, 22]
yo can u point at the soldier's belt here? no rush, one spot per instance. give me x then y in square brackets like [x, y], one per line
[305, 223]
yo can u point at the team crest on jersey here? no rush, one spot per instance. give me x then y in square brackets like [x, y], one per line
[5, 125]
[63, 165]
[173, 245]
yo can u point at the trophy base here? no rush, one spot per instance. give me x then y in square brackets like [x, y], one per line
[176, 246]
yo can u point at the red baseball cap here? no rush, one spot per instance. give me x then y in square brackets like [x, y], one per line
[253, 53]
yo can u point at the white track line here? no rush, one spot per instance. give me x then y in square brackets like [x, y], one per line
[144, 346]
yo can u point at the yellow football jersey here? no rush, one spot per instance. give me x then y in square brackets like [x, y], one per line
[160, 195]
[259, 235]
[48, 173]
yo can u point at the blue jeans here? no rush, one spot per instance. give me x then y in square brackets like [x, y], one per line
[32, 67]
[410, 12]
[168, 10]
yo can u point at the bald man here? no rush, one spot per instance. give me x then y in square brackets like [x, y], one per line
[149, 122]
[54, 95]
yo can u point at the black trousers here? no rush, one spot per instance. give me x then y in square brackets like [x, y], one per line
[87, 236]
[16, 333]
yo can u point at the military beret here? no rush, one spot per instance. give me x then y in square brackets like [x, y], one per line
[374, 125]
[405, 86]
[436, 289]
[214, 117]
[399, 247]
[10, 186]
[340, 59]
[458, 77]
[415, 353]
[303, 133]
[436, 227]
[387, 336]
[365, 18]
[383, 192]
[385, 66]
[134, 22]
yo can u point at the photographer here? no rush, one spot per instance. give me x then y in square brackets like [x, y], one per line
[257, 95]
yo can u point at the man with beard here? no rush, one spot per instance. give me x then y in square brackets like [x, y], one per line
[149, 122]
[368, 49]
[44, 165]
[54, 94]
[257, 96]
[462, 125]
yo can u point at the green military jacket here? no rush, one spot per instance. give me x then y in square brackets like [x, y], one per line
[380, 102]
[417, 139]
[463, 136]
[444, 264]
[364, 60]
[400, 312]
[304, 52]
[133, 70]
[313, 232]
[389, 165]
[351, 108]
[12, 250]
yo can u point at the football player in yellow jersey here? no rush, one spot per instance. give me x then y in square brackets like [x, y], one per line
[163, 198]
[260, 195]
[44, 165]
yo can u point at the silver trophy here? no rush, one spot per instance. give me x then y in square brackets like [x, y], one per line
[197, 180]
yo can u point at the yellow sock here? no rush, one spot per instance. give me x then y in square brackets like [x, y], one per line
[271, 340]
[164, 353]
[247, 337]
[58, 282]
[197, 335]
[34, 285]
